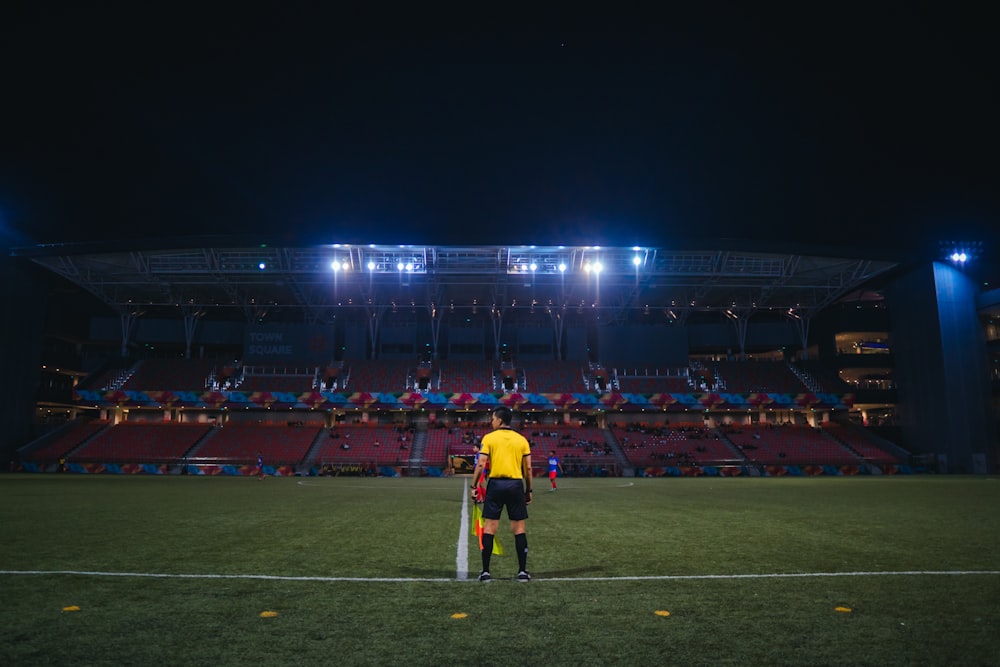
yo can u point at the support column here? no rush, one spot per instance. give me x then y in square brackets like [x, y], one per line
[802, 327]
[740, 321]
[191, 317]
[435, 329]
[558, 322]
[128, 320]
[496, 320]
[375, 314]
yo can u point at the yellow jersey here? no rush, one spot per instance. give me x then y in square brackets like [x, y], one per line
[506, 449]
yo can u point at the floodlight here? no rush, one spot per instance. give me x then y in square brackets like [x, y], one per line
[636, 261]
[262, 266]
[562, 267]
[371, 266]
[961, 252]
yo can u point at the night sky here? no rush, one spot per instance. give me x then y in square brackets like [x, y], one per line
[843, 125]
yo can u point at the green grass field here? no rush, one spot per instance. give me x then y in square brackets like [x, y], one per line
[359, 571]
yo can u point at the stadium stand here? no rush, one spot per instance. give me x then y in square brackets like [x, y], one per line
[65, 440]
[757, 376]
[674, 444]
[788, 444]
[376, 375]
[861, 444]
[295, 384]
[382, 445]
[553, 377]
[278, 443]
[445, 441]
[472, 376]
[653, 385]
[583, 450]
[170, 374]
[141, 442]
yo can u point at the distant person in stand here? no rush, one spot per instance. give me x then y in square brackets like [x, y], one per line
[260, 467]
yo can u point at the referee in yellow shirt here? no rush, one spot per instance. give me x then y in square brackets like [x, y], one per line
[509, 456]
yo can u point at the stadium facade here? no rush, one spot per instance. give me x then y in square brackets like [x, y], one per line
[727, 333]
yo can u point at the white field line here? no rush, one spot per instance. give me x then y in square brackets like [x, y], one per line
[462, 551]
[462, 568]
[666, 577]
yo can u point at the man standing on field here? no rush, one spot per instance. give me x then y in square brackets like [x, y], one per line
[555, 468]
[509, 457]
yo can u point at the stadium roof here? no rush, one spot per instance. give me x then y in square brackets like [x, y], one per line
[315, 284]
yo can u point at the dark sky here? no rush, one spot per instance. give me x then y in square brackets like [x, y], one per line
[842, 124]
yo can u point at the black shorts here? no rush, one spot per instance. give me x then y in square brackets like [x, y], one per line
[507, 493]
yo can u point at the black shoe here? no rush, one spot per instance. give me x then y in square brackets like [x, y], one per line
[485, 576]
[523, 576]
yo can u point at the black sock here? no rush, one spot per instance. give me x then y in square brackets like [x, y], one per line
[521, 547]
[487, 551]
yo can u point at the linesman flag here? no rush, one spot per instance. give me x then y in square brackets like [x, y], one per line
[477, 525]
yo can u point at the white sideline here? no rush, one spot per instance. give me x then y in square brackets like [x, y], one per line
[665, 577]
[462, 551]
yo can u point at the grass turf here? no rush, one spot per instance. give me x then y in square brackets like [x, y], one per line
[590, 545]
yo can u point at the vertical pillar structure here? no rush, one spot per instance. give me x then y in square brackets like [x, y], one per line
[128, 320]
[435, 328]
[558, 322]
[496, 319]
[941, 368]
[191, 317]
[802, 328]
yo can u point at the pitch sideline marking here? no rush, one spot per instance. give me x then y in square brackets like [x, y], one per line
[666, 577]
[462, 551]
[363, 486]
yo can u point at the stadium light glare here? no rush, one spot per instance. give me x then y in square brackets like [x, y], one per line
[961, 252]
[262, 266]
[636, 261]
[562, 267]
